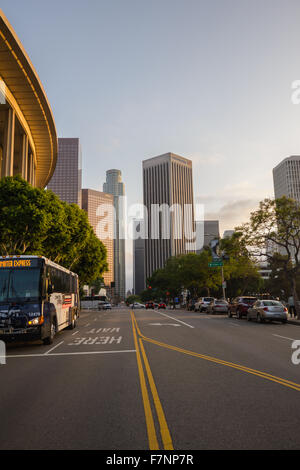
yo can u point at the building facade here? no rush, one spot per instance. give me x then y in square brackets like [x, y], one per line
[116, 187]
[206, 230]
[138, 259]
[28, 140]
[167, 182]
[286, 178]
[67, 178]
[96, 204]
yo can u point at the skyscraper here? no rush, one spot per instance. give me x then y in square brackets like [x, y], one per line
[286, 177]
[116, 187]
[91, 202]
[67, 177]
[138, 259]
[209, 229]
[168, 182]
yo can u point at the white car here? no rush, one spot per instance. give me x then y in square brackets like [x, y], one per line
[203, 303]
[104, 306]
[137, 305]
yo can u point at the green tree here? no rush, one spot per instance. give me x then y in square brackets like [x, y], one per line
[34, 221]
[241, 271]
[275, 229]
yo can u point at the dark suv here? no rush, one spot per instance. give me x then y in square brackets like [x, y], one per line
[240, 306]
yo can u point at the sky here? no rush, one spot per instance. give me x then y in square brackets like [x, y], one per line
[206, 79]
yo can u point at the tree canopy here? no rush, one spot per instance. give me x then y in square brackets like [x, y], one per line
[35, 221]
[191, 272]
[273, 233]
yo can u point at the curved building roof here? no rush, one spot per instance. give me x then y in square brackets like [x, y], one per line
[23, 83]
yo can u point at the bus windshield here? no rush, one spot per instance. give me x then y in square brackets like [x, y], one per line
[20, 284]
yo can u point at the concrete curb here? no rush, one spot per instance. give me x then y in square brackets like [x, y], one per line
[294, 322]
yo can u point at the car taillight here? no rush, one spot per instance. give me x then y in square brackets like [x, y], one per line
[266, 309]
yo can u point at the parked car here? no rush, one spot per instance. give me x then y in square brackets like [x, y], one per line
[263, 310]
[240, 305]
[218, 306]
[162, 305]
[202, 304]
[136, 305]
[104, 306]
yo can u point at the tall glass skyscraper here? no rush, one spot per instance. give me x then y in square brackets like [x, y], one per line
[67, 178]
[115, 186]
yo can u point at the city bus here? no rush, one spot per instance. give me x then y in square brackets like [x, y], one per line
[38, 298]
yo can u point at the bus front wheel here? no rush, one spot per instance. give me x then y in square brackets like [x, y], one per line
[52, 332]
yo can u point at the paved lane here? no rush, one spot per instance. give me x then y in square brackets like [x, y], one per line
[144, 380]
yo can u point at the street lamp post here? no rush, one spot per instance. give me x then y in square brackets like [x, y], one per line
[222, 271]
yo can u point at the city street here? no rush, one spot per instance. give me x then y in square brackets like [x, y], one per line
[126, 380]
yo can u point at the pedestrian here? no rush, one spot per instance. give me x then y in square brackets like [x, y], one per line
[291, 304]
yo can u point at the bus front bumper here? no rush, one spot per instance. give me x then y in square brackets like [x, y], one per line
[20, 334]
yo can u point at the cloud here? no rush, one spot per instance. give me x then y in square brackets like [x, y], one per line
[233, 213]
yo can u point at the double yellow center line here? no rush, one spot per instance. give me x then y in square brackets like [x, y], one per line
[140, 352]
[151, 431]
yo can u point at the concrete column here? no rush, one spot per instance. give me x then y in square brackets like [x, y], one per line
[31, 169]
[9, 141]
[24, 156]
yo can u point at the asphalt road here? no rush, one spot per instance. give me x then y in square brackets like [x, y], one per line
[153, 380]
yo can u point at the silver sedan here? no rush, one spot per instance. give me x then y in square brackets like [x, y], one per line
[270, 310]
[218, 306]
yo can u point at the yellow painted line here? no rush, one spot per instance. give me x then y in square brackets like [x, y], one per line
[164, 430]
[153, 442]
[264, 375]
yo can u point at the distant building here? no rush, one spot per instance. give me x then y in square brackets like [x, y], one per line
[138, 260]
[91, 200]
[286, 177]
[167, 179]
[264, 270]
[207, 230]
[67, 178]
[116, 187]
[228, 233]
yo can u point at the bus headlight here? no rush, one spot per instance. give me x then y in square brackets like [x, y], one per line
[36, 321]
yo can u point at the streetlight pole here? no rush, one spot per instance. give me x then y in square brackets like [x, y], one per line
[222, 272]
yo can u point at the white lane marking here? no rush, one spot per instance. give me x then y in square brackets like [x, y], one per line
[76, 333]
[53, 348]
[88, 324]
[72, 353]
[284, 337]
[233, 324]
[176, 319]
[164, 324]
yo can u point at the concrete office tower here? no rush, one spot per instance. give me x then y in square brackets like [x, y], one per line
[228, 233]
[116, 187]
[138, 259]
[286, 177]
[167, 179]
[67, 177]
[209, 230]
[91, 202]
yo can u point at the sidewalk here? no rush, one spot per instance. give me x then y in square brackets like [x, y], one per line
[293, 320]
